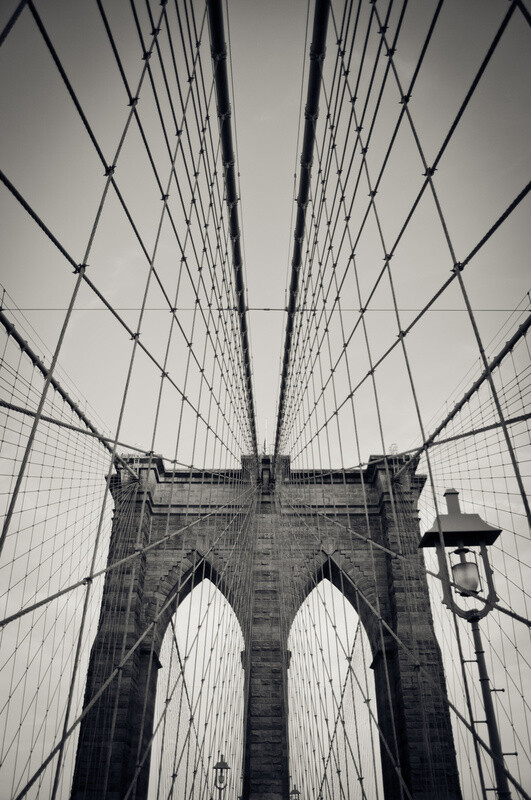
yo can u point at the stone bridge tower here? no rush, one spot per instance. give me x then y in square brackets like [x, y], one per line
[333, 517]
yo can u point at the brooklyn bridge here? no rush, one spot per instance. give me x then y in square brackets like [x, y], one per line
[265, 381]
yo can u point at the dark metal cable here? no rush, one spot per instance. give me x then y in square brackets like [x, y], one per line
[311, 113]
[219, 60]
[11, 21]
[36, 361]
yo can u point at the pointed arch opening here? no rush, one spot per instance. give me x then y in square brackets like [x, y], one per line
[333, 732]
[199, 703]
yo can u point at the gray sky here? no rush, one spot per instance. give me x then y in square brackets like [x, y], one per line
[48, 157]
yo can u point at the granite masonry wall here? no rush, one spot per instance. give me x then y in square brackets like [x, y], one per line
[290, 533]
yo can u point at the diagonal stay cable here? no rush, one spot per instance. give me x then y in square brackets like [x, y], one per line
[518, 199]
[80, 270]
[397, 555]
[491, 366]
[411, 656]
[36, 361]
[115, 564]
[118, 668]
[489, 233]
[133, 100]
[11, 21]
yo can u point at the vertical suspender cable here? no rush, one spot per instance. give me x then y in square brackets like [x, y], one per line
[311, 114]
[219, 60]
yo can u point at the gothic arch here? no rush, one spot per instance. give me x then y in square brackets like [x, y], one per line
[181, 577]
[360, 590]
[199, 630]
[350, 701]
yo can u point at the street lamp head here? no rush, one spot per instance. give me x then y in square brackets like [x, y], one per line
[221, 768]
[294, 794]
[462, 531]
[465, 574]
[458, 529]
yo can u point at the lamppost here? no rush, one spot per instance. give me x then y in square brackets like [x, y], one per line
[220, 781]
[464, 531]
[294, 794]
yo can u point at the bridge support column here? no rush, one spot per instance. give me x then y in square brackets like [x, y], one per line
[417, 726]
[266, 761]
[109, 735]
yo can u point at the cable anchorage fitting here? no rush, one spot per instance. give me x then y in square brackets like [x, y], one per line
[223, 115]
[311, 116]
[317, 55]
[219, 55]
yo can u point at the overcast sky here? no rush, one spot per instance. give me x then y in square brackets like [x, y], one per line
[47, 155]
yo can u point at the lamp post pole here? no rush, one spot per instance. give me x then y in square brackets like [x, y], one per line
[502, 783]
[464, 531]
